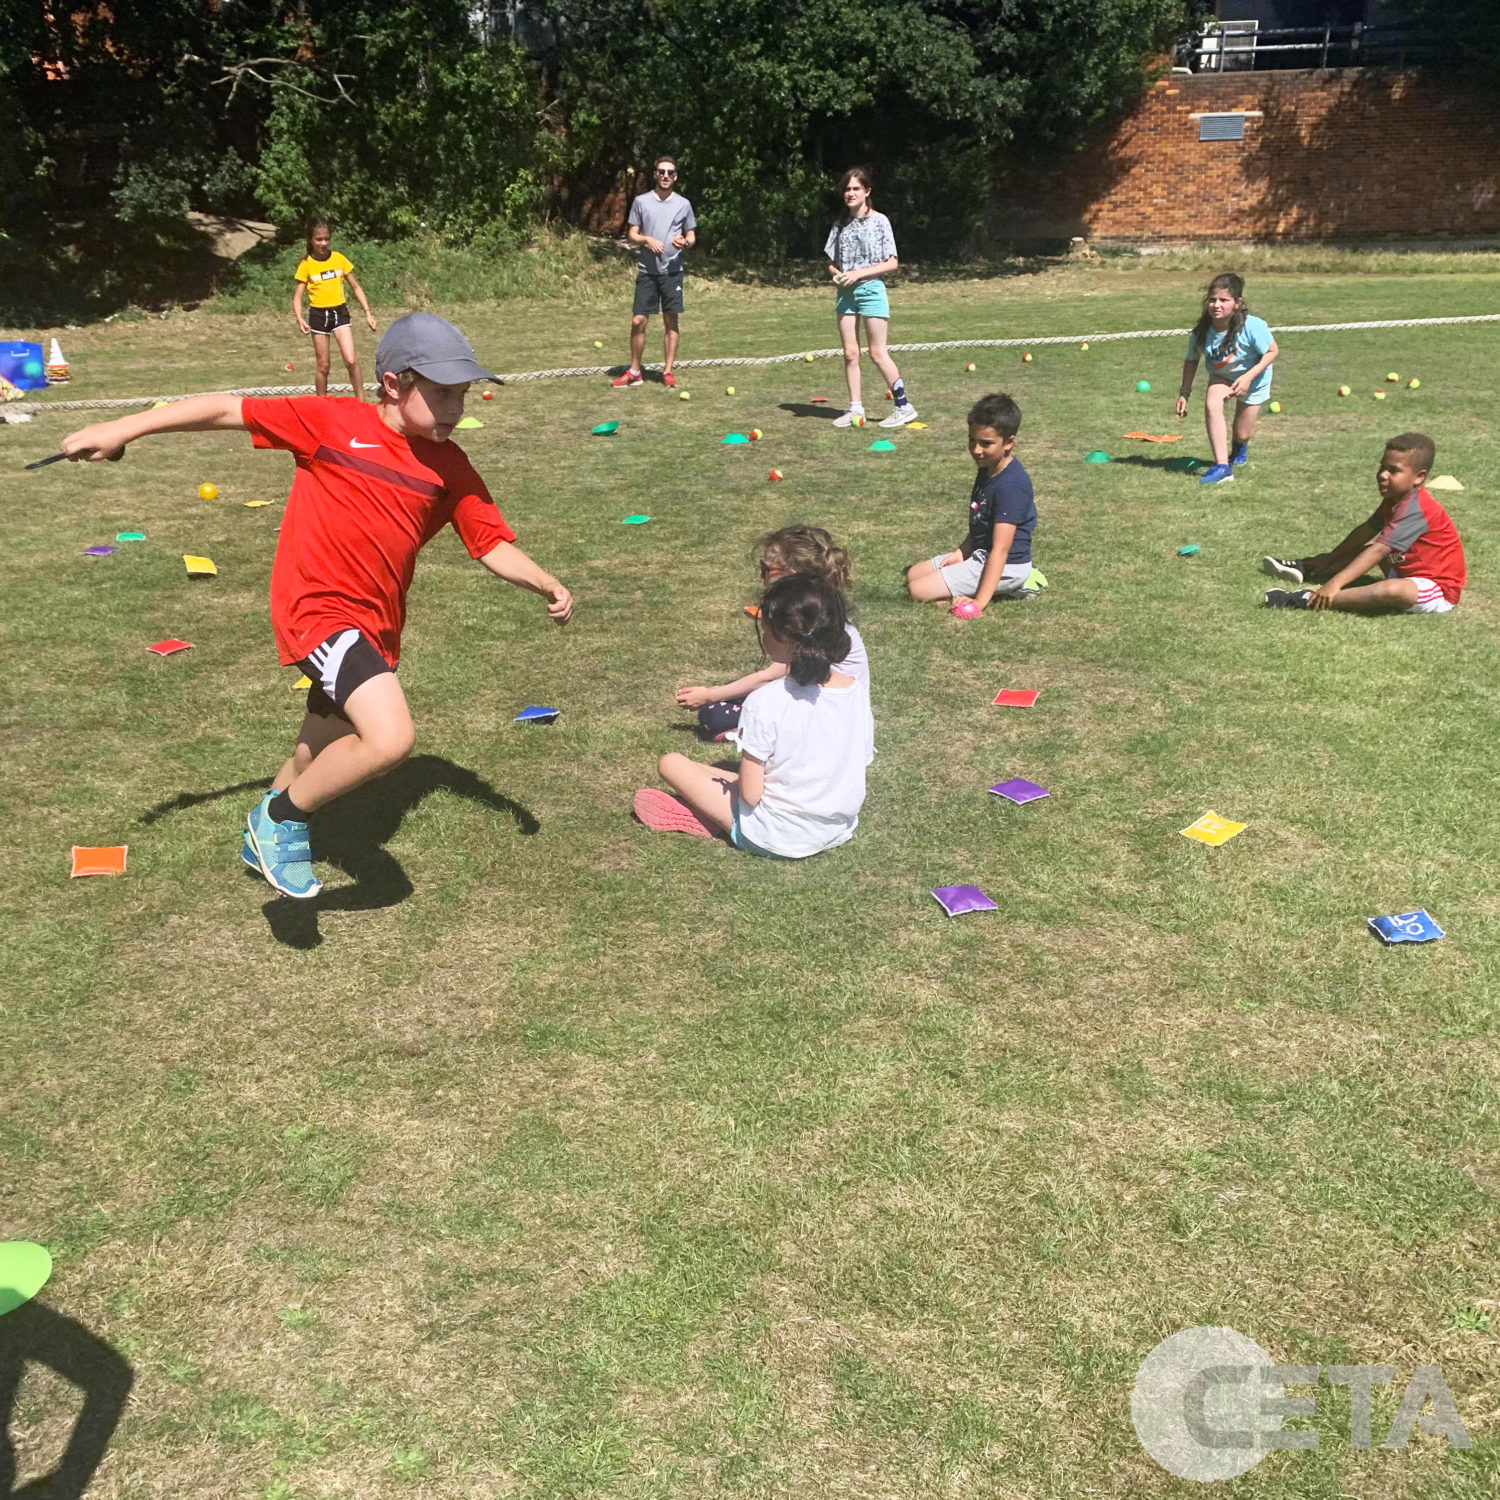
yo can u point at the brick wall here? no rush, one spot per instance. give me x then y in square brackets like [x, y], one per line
[1343, 154]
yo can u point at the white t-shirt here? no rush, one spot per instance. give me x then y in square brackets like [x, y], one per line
[815, 743]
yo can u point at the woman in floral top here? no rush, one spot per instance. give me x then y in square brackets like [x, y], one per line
[861, 249]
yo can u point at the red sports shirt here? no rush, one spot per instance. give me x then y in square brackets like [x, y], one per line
[1425, 541]
[364, 502]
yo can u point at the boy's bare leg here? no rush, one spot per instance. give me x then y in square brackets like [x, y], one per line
[345, 336]
[1214, 420]
[383, 737]
[1389, 596]
[315, 736]
[669, 339]
[637, 340]
[320, 360]
[706, 789]
[924, 583]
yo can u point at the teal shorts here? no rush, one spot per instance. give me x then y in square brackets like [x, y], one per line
[738, 839]
[867, 298]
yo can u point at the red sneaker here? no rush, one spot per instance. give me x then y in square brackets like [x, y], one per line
[668, 378]
[663, 813]
[630, 377]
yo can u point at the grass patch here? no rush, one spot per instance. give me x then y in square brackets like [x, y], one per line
[545, 1156]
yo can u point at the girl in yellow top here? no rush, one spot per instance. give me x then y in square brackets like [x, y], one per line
[322, 274]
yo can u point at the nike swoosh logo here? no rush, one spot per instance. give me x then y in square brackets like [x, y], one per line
[355, 443]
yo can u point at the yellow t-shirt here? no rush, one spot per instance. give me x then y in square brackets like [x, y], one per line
[325, 279]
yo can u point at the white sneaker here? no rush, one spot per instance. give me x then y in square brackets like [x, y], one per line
[849, 417]
[901, 416]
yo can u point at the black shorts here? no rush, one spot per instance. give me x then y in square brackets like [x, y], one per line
[342, 663]
[326, 319]
[657, 291]
[719, 718]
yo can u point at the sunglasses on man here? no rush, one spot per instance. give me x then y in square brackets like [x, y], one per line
[665, 172]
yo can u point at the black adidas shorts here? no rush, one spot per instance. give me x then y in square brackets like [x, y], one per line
[326, 319]
[342, 663]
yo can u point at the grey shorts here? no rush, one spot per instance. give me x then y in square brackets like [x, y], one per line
[657, 291]
[962, 579]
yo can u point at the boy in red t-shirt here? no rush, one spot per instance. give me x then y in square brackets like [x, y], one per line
[1410, 538]
[373, 485]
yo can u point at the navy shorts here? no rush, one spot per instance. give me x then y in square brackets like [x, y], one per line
[657, 291]
[342, 663]
[719, 718]
[326, 319]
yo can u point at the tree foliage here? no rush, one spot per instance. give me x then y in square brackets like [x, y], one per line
[473, 121]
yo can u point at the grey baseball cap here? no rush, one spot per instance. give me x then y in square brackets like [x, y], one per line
[431, 346]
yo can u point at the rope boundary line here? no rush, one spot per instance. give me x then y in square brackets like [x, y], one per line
[806, 355]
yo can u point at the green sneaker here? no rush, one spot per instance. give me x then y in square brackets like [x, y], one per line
[283, 852]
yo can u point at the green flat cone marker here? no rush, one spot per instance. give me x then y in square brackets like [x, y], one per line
[735, 438]
[1189, 551]
[1098, 456]
[130, 536]
[1035, 579]
[467, 424]
[606, 429]
[24, 1269]
[882, 445]
[635, 520]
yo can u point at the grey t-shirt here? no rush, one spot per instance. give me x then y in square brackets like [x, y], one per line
[662, 218]
[860, 242]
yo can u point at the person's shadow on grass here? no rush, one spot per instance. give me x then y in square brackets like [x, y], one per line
[36, 1333]
[807, 409]
[352, 834]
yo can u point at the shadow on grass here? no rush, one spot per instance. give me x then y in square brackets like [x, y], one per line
[352, 834]
[1179, 463]
[806, 409]
[35, 1333]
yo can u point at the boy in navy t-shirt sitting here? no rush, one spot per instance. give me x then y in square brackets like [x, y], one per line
[994, 560]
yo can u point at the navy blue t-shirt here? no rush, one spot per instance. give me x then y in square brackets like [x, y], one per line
[1004, 499]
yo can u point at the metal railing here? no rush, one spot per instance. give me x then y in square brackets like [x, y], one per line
[1234, 46]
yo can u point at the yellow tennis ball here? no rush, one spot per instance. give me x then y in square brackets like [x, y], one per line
[1276, 406]
[1393, 377]
[808, 358]
[1413, 383]
[970, 368]
[683, 396]
[729, 390]
[1380, 395]
[207, 491]
[598, 343]
[1083, 346]
[1026, 358]
[1344, 390]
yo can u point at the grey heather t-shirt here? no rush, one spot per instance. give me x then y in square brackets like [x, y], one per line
[661, 219]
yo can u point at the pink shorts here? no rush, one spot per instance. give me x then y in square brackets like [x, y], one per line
[1430, 600]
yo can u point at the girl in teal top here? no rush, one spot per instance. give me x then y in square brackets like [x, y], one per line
[1239, 349]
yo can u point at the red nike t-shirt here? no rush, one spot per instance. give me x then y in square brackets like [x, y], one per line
[1425, 542]
[364, 502]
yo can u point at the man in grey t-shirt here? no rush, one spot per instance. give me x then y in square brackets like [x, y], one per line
[661, 222]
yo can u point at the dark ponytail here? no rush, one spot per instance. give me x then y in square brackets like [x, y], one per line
[808, 613]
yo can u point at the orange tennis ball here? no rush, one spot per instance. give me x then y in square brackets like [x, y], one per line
[776, 474]
[756, 434]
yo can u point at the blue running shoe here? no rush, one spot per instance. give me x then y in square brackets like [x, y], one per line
[284, 853]
[1241, 454]
[247, 849]
[1217, 474]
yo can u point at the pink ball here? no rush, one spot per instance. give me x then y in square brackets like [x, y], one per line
[965, 609]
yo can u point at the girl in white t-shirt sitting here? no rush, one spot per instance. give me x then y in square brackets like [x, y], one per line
[805, 740]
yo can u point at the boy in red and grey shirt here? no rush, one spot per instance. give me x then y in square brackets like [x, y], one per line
[1410, 538]
[374, 484]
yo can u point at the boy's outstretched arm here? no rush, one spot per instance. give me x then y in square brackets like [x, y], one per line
[1369, 556]
[994, 563]
[508, 562]
[196, 414]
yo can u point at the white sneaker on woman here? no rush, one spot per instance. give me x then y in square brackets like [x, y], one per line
[901, 416]
[854, 417]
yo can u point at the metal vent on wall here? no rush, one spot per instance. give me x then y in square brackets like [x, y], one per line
[1221, 128]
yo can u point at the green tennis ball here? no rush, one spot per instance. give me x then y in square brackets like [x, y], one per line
[1143, 386]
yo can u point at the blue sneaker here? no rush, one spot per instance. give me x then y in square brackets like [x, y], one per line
[1241, 454]
[247, 849]
[1217, 474]
[283, 852]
